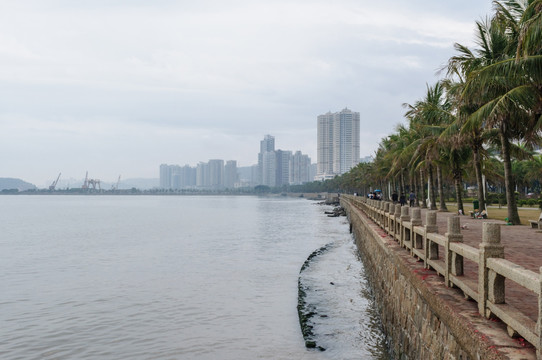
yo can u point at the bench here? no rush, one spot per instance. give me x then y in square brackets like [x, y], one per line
[536, 224]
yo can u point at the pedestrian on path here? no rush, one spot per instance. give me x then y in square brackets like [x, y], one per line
[412, 198]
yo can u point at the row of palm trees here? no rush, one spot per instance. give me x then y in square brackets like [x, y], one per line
[484, 114]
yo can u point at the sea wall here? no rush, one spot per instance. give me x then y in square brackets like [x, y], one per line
[423, 318]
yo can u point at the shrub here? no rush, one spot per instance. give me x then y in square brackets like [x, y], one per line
[531, 202]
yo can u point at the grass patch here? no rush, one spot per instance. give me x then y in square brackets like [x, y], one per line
[500, 214]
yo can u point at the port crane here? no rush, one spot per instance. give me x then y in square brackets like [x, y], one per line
[85, 184]
[91, 182]
[52, 187]
[116, 186]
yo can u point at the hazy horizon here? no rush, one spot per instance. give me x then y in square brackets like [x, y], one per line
[122, 88]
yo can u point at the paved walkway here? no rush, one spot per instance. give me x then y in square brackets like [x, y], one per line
[522, 245]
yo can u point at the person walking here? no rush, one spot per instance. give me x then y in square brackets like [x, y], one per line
[402, 199]
[412, 198]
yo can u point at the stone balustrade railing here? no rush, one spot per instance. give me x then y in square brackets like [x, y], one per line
[488, 289]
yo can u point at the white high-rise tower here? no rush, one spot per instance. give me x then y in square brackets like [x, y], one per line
[266, 161]
[337, 143]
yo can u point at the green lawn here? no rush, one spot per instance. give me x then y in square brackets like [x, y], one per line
[495, 213]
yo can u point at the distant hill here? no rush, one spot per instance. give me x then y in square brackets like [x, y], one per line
[12, 183]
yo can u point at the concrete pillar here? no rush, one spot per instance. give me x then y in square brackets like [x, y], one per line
[405, 232]
[431, 248]
[382, 213]
[417, 239]
[454, 261]
[385, 215]
[397, 230]
[490, 284]
[391, 217]
[539, 322]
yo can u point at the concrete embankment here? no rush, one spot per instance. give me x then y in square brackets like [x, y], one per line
[424, 318]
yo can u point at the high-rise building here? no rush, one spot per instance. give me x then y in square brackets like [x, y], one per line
[177, 177]
[269, 168]
[266, 161]
[282, 167]
[202, 175]
[231, 177]
[165, 176]
[216, 174]
[300, 169]
[337, 143]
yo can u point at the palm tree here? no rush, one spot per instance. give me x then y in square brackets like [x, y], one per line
[509, 83]
[458, 69]
[428, 118]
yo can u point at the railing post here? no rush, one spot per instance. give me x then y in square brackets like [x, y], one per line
[454, 261]
[380, 208]
[405, 217]
[539, 322]
[397, 230]
[431, 248]
[385, 222]
[417, 240]
[391, 222]
[490, 284]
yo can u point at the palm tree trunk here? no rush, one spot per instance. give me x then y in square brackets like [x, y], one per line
[414, 187]
[442, 199]
[432, 197]
[513, 215]
[458, 182]
[479, 181]
[411, 182]
[422, 190]
[402, 181]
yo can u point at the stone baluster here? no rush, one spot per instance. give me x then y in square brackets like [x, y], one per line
[454, 261]
[397, 230]
[385, 222]
[391, 217]
[405, 217]
[539, 322]
[490, 284]
[417, 239]
[431, 248]
[379, 213]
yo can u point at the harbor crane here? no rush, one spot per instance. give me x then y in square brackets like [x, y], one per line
[52, 187]
[116, 186]
[85, 184]
[91, 182]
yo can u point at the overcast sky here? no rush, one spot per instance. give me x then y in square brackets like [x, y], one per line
[120, 87]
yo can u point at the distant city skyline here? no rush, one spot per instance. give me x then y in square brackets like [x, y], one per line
[275, 167]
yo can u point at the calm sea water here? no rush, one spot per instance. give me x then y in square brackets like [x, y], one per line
[98, 277]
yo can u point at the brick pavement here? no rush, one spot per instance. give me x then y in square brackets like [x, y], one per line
[522, 246]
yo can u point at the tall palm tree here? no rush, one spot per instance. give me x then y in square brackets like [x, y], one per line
[426, 118]
[509, 84]
[458, 69]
